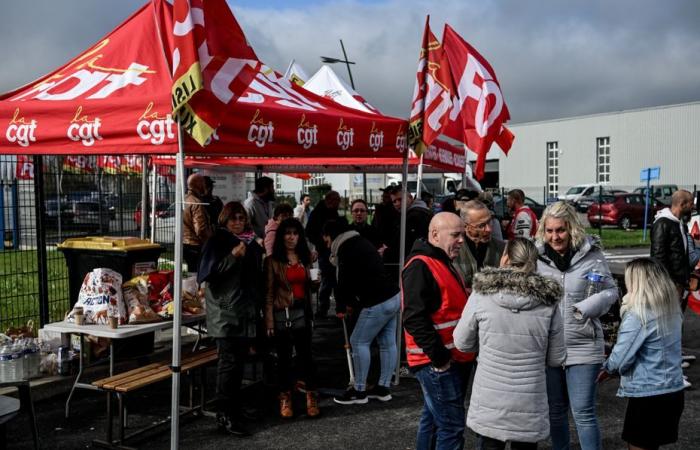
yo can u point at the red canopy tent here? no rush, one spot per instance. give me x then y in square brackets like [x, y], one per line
[115, 98]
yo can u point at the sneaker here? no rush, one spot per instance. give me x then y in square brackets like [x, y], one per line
[685, 377]
[351, 397]
[687, 384]
[685, 365]
[229, 425]
[405, 372]
[381, 393]
[688, 358]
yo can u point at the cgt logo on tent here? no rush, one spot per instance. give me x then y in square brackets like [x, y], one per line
[83, 129]
[401, 139]
[376, 138]
[260, 132]
[155, 128]
[307, 134]
[21, 131]
[345, 135]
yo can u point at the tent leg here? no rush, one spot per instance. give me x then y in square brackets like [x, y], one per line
[402, 258]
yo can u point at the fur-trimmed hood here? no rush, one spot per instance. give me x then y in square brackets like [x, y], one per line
[524, 290]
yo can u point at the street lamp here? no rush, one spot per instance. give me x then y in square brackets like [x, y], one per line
[331, 60]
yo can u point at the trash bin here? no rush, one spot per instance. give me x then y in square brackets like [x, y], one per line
[128, 256]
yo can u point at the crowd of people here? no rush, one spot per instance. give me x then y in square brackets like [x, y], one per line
[519, 318]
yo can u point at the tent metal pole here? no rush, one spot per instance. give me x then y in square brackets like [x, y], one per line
[154, 195]
[144, 195]
[402, 258]
[175, 365]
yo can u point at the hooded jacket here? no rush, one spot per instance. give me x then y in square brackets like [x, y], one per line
[511, 319]
[584, 333]
[362, 280]
[669, 246]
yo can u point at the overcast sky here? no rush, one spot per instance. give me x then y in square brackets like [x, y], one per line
[553, 58]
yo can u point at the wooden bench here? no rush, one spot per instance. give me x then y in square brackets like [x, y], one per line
[133, 380]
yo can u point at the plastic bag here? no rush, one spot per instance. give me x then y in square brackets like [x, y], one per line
[136, 293]
[101, 297]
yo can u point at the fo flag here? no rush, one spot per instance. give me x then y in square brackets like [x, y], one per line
[479, 100]
[432, 94]
[212, 64]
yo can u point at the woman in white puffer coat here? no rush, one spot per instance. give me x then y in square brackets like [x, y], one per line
[511, 320]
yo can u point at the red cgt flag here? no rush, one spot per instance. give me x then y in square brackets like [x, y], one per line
[479, 99]
[432, 94]
[212, 64]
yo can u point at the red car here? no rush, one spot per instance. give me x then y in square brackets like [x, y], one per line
[623, 210]
[161, 211]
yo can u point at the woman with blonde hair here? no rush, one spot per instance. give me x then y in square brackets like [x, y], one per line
[576, 261]
[647, 355]
[511, 319]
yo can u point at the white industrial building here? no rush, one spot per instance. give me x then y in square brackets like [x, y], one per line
[612, 148]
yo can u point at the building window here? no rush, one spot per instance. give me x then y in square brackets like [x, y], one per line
[552, 169]
[603, 159]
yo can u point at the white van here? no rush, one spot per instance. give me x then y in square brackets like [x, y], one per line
[576, 193]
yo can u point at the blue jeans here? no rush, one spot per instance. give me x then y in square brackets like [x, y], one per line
[376, 321]
[575, 387]
[442, 421]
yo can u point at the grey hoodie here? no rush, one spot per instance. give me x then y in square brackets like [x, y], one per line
[511, 319]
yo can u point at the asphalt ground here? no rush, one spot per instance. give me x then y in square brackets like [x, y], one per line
[376, 425]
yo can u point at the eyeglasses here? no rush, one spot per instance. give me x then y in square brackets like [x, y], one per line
[359, 211]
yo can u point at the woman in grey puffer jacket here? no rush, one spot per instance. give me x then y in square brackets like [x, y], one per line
[511, 319]
[568, 255]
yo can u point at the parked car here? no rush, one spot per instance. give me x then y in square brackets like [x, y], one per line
[660, 192]
[585, 202]
[162, 210]
[90, 216]
[623, 210]
[51, 214]
[576, 193]
[165, 226]
[503, 213]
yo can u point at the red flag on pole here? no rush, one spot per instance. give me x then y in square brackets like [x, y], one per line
[212, 64]
[432, 95]
[482, 109]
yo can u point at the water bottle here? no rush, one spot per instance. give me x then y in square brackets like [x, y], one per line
[6, 364]
[18, 358]
[63, 360]
[594, 280]
[32, 359]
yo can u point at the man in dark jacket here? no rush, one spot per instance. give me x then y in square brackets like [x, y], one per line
[669, 242]
[325, 210]
[364, 285]
[433, 299]
[482, 249]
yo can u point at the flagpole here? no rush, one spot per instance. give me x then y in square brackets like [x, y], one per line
[419, 176]
[154, 187]
[402, 258]
[175, 365]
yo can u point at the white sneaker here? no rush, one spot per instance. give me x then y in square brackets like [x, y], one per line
[686, 384]
[688, 357]
[685, 364]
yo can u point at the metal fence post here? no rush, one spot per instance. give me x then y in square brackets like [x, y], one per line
[2, 215]
[15, 215]
[42, 266]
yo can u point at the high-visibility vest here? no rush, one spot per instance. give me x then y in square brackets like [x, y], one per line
[533, 218]
[454, 297]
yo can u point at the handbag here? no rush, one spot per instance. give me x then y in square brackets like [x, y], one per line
[290, 319]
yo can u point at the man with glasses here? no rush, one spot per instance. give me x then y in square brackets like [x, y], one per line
[360, 212]
[481, 249]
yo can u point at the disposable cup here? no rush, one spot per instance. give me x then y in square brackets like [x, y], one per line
[113, 322]
[314, 274]
[78, 318]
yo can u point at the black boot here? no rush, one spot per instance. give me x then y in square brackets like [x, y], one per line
[231, 425]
